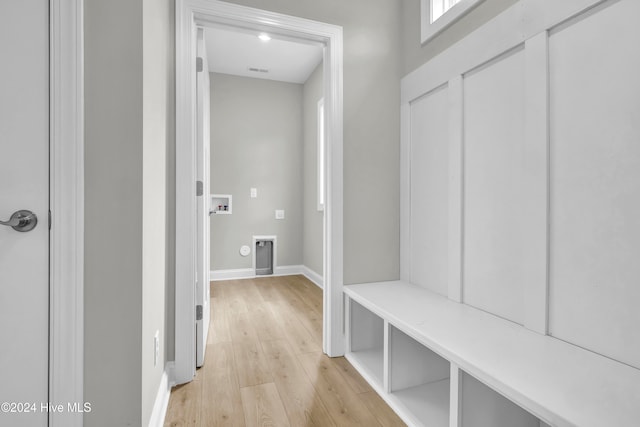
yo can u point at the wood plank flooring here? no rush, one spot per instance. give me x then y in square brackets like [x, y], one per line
[265, 367]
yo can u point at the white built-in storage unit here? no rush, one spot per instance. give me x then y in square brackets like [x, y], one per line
[367, 342]
[441, 363]
[520, 239]
[418, 379]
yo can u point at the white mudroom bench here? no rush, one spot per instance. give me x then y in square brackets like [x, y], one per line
[439, 363]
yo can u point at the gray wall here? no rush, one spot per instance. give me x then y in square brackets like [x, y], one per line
[256, 141]
[371, 127]
[415, 54]
[127, 76]
[312, 224]
[113, 186]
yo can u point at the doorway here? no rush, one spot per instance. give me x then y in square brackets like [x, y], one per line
[190, 14]
[264, 153]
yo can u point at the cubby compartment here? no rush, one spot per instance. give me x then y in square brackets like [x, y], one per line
[480, 406]
[438, 363]
[366, 339]
[418, 380]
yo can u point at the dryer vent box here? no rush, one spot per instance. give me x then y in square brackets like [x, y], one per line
[264, 257]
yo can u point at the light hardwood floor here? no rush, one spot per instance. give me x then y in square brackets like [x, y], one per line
[264, 364]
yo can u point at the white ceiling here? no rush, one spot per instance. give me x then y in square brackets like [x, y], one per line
[233, 52]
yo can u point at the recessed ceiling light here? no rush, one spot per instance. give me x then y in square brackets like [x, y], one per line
[264, 37]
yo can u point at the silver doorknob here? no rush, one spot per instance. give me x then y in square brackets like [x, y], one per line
[22, 220]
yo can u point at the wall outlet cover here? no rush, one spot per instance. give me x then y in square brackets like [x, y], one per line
[279, 214]
[254, 193]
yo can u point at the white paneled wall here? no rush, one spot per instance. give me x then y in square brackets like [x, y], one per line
[494, 220]
[521, 172]
[594, 64]
[429, 183]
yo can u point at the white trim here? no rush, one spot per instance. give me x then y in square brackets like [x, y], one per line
[313, 276]
[66, 329]
[287, 270]
[405, 192]
[189, 14]
[455, 395]
[429, 30]
[536, 165]
[456, 188]
[162, 401]
[333, 342]
[249, 273]
[234, 274]
[185, 339]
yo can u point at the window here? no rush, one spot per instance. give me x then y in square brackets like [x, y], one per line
[321, 155]
[437, 15]
[439, 7]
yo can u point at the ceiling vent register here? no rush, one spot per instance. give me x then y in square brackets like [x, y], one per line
[258, 70]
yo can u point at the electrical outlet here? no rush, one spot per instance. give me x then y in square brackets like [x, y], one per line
[254, 193]
[279, 214]
[156, 348]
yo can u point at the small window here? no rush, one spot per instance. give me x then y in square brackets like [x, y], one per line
[439, 7]
[437, 15]
[321, 155]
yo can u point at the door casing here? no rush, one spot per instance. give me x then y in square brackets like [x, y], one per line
[189, 15]
[66, 192]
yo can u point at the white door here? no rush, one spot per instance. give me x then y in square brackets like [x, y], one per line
[202, 175]
[24, 185]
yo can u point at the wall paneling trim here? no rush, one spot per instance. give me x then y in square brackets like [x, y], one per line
[520, 172]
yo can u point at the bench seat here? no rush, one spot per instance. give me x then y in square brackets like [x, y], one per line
[561, 384]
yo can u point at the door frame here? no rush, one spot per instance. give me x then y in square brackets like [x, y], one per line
[66, 203]
[190, 14]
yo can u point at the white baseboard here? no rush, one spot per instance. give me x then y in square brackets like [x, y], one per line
[313, 276]
[284, 270]
[240, 273]
[162, 399]
[288, 270]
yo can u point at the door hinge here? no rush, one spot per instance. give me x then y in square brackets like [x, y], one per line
[199, 188]
[199, 64]
[198, 312]
[49, 219]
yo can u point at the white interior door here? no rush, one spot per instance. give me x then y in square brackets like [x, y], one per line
[202, 175]
[24, 185]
